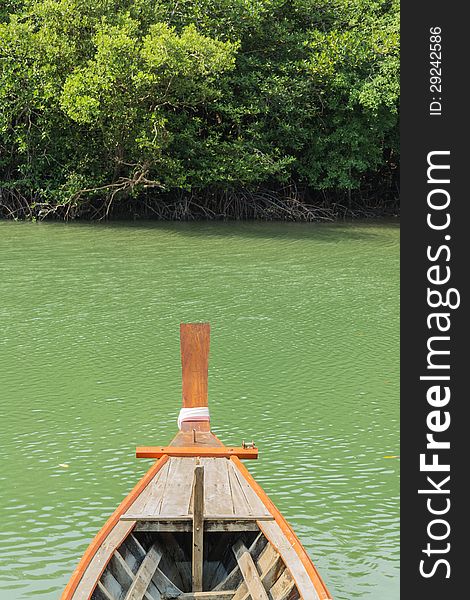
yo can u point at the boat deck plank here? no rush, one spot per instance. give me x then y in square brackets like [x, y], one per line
[254, 506]
[240, 503]
[169, 494]
[142, 498]
[177, 501]
[156, 491]
[217, 494]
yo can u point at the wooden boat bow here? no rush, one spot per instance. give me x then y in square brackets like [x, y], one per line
[197, 525]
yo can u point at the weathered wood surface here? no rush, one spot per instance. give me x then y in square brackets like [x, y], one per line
[232, 580]
[121, 570]
[229, 503]
[259, 574]
[198, 528]
[269, 566]
[194, 342]
[227, 595]
[101, 558]
[302, 580]
[210, 526]
[224, 498]
[253, 502]
[226, 493]
[165, 587]
[144, 574]
[155, 492]
[217, 492]
[181, 520]
[283, 587]
[249, 572]
[181, 566]
[176, 501]
[104, 591]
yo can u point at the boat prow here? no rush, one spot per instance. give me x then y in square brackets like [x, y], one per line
[197, 526]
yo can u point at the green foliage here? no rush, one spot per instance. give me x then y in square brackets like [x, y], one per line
[107, 97]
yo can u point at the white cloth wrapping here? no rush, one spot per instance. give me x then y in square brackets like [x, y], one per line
[198, 413]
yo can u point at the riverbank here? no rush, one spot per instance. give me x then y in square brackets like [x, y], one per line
[286, 204]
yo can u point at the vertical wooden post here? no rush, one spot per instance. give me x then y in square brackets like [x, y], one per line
[194, 341]
[198, 528]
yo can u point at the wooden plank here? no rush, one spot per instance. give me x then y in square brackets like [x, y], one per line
[258, 546]
[256, 506]
[131, 559]
[136, 548]
[165, 587]
[242, 592]
[315, 579]
[236, 525]
[270, 565]
[194, 343]
[185, 437]
[217, 490]
[255, 550]
[121, 570]
[185, 526]
[143, 497]
[198, 529]
[144, 574]
[233, 580]
[283, 587]
[195, 451]
[140, 550]
[188, 518]
[179, 563]
[105, 592]
[266, 558]
[241, 506]
[165, 526]
[234, 577]
[156, 492]
[153, 592]
[111, 584]
[98, 563]
[225, 595]
[132, 552]
[215, 563]
[249, 571]
[291, 559]
[86, 574]
[176, 500]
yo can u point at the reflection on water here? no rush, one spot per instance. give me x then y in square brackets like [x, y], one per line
[304, 360]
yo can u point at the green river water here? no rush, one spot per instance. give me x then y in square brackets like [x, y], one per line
[304, 360]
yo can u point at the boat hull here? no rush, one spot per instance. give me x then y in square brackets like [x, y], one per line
[145, 548]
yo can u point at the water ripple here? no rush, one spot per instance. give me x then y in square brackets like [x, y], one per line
[304, 360]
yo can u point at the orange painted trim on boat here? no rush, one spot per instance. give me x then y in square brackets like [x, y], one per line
[100, 537]
[192, 451]
[317, 581]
